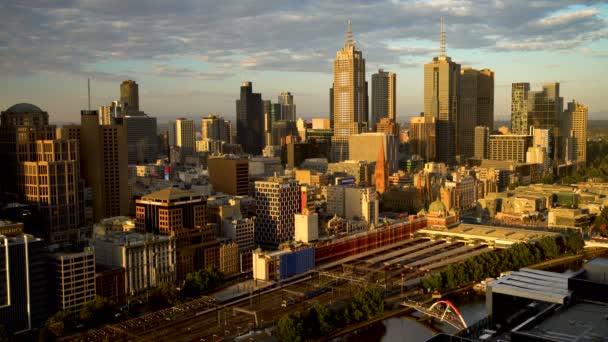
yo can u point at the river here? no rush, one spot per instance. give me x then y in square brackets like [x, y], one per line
[406, 328]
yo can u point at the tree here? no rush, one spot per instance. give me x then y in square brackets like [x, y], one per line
[57, 323]
[162, 296]
[202, 281]
[319, 321]
[96, 311]
[290, 328]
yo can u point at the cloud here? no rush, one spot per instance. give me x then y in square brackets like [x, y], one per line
[70, 36]
[166, 70]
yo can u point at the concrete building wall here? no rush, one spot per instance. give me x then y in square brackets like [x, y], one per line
[365, 146]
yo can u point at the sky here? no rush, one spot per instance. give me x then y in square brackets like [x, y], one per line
[189, 57]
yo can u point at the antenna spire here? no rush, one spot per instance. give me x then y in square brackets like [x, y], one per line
[442, 37]
[349, 34]
[89, 92]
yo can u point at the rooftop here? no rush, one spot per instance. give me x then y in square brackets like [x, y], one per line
[579, 322]
[170, 194]
[539, 285]
[490, 233]
[24, 108]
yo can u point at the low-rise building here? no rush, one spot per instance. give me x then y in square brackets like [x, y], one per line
[148, 259]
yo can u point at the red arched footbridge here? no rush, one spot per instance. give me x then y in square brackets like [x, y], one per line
[443, 310]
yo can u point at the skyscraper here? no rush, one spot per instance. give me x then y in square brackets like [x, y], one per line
[250, 120]
[545, 107]
[214, 127]
[519, 107]
[422, 137]
[277, 201]
[485, 98]
[482, 141]
[185, 136]
[476, 107]
[441, 100]
[129, 96]
[21, 125]
[287, 106]
[105, 164]
[142, 138]
[52, 182]
[575, 128]
[384, 100]
[108, 113]
[350, 96]
[539, 108]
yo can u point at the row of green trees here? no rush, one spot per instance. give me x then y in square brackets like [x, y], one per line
[491, 264]
[320, 320]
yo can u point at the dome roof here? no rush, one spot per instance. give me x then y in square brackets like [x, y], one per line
[24, 108]
[437, 207]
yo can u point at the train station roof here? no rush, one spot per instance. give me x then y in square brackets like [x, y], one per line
[533, 284]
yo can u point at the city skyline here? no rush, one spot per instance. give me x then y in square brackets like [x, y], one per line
[182, 68]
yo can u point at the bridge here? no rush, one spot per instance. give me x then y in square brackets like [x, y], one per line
[443, 310]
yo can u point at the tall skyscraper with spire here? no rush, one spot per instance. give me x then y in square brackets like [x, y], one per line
[441, 100]
[350, 110]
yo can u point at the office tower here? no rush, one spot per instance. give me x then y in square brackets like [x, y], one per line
[267, 104]
[281, 130]
[129, 96]
[250, 120]
[288, 108]
[185, 136]
[519, 108]
[476, 107]
[482, 141]
[297, 152]
[103, 151]
[331, 107]
[365, 146]
[540, 108]
[575, 128]
[349, 96]
[229, 174]
[74, 275]
[215, 128]
[53, 183]
[545, 107]
[422, 137]
[441, 100]
[384, 100]
[381, 172]
[24, 286]
[108, 113]
[387, 126]
[142, 138]
[179, 213]
[485, 98]
[277, 201]
[511, 147]
[21, 125]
